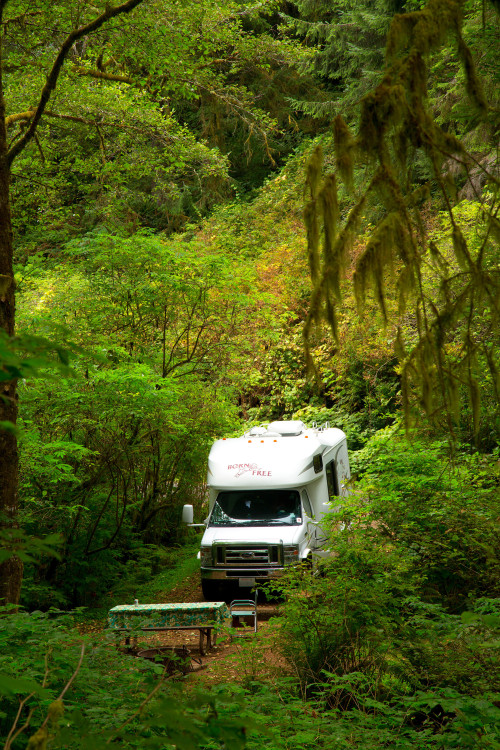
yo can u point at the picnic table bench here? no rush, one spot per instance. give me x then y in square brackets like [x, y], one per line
[206, 617]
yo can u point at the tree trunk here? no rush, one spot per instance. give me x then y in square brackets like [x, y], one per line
[11, 571]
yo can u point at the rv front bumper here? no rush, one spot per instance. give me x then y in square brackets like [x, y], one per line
[236, 575]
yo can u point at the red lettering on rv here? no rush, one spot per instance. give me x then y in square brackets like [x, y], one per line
[245, 468]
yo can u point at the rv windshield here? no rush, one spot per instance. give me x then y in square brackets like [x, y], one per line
[257, 508]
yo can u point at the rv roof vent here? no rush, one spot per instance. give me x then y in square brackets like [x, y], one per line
[289, 428]
[256, 431]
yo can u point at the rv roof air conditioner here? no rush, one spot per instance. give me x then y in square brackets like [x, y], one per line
[291, 428]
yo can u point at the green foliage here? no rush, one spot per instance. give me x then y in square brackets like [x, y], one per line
[391, 642]
[346, 41]
[441, 511]
[109, 456]
[192, 93]
[25, 355]
[282, 386]
[15, 542]
[293, 722]
[121, 452]
[176, 565]
[369, 634]
[141, 297]
[352, 710]
[113, 698]
[358, 396]
[356, 388]
[454, 652]
[340, 621]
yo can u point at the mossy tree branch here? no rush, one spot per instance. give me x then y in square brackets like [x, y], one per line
[461, 305]
[102, 75]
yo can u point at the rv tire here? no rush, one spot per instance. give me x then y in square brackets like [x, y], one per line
[210, 589]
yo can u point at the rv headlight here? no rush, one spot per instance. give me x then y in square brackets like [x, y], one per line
[206, 556]
[290, 553]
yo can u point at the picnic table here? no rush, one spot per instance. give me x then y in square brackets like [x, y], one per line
[206, 617]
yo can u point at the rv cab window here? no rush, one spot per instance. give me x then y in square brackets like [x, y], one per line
[256, 508]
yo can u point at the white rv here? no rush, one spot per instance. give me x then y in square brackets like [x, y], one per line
[269, 491]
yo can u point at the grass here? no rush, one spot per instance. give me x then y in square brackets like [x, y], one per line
[184, 564]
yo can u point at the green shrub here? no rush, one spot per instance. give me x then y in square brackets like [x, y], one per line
[113, 698]
[439, 510]
[339, 619]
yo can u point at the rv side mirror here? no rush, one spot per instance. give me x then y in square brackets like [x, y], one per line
[187, 514]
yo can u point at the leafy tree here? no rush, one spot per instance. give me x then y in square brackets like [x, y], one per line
[107, 460]
[96, 137]
[11, 570]
[440, 514]
[120, 106]
[110, 455]
[142, 298]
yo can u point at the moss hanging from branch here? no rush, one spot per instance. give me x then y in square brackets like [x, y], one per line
[395, 122]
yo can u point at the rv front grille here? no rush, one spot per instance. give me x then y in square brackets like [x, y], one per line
[248, 555]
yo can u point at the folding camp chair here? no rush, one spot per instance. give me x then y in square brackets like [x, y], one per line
[246, 608]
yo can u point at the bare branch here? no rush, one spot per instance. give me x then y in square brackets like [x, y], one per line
[40, 149]
[98, 519]
[68, 684]
[119, 519]
[13, 734]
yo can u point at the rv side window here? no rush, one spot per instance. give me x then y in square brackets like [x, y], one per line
[331, 478]
[306, 504]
